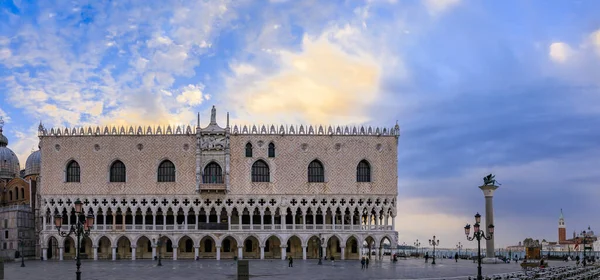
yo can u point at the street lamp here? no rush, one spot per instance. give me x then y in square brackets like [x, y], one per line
[434, 243]
[404, 248]
[321, 241]
[478, 234]
[458, 246]
[158, 244]
[22, 244]
[417, 244]
[81, 229]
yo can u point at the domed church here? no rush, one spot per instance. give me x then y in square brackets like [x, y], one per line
[16, 201]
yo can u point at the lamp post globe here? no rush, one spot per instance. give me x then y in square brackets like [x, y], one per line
[433, 242]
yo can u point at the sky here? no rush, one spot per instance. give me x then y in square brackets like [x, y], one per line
[477, 87]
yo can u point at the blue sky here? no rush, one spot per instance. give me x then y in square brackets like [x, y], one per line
[478, 87]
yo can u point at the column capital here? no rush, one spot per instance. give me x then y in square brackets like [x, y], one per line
[133, 247]
[217, 246]
[174, 247]
[240, 247]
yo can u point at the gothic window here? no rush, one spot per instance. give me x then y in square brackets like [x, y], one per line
[73, 172]
[166, 171]
[117, 171]
[271, 150]
[316, 173]
[213, 174]
[260, 171]
[248, 246]
[22, 193]
[189, 245]
[227, 245]
[363, 171]
[248, 150]
[208, 245]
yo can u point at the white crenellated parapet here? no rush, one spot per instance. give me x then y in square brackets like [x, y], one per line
[187, 130]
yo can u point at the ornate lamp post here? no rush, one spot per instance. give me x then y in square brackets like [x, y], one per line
[321, 241]
[81, 229]
[158, 244]
[434, 243]
[417, 244]
[478, 234]
[404, 248]
[22, 244]
[458, 246]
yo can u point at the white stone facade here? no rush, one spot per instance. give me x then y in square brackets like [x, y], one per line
[225, 215]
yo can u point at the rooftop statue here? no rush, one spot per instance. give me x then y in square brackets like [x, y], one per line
[490, 180]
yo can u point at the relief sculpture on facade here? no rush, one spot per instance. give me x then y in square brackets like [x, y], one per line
[213, 142]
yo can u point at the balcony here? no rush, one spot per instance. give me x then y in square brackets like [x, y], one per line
[213, 188]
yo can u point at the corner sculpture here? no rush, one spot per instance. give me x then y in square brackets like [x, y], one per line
[490, 180]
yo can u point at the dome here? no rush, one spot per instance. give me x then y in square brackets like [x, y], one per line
[9, 163]
[33, 164]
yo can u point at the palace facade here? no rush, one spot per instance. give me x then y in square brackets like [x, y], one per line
[220, 192]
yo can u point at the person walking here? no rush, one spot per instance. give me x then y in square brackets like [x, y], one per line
[456, 257]
[362, 263]
[290, 261]
[426, 257]
[367, 263]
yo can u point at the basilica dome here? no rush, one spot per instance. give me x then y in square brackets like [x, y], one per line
[33, 164]
[9, 163]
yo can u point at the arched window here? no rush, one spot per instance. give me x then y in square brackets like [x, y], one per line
[22, 193]
[248, 150]
[208, 245]
[260, 171]
[166, 171]
[73, 172]
[117, 172]
[271, 150]
[212, 174]
[363, 171]
[248, 246]
[189, 245]
[316, 172]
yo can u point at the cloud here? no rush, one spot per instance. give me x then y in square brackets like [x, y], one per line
[437, 7]
[191, 95]
[595, 40]
[559, 52]
[321, 83]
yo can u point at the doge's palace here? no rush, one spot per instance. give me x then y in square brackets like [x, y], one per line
[260, 192]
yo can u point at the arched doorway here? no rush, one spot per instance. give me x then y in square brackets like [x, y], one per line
[294, 247]
[144, 248]
[368, 247]
[251, 248]
[123, 248]
[69, 248]
[208, 248]
[85, 249]
[312, 250]
[52, 251]
[273, 248]
[166, 248]
[104, 248]
[333, 248]
[352, 249]
[228, 248]
[385, 247]
[185, 248]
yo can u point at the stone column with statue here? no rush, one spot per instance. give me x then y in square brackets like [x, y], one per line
[489, 186]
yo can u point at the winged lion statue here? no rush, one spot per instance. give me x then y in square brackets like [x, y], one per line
[490, 180]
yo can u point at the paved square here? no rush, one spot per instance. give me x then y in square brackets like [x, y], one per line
[265, 269]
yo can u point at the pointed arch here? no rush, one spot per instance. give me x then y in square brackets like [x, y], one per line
[213, 174]
[118, 171]
[271, 150]
[316, 172]
[363, 171]
[248, 149]
[166, 171]
[73, 173]
[260, 171]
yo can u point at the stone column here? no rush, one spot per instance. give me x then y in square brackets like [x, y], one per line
[488, 193]
[304, 221]
[324, 248]
[393, 222]
[60, 253]
[114, 253]
[283, 253]
[175, 248]
[343, 253]
[304, 252]
[262, 252]
[44, 222]
[95, 248]
[218, 252]
[153, 222]
[240, 252]
[196, 252]
[45, 253]
[262, 220]
[228, 221]
[133, 251]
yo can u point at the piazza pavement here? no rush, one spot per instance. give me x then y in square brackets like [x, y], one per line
[259, 269]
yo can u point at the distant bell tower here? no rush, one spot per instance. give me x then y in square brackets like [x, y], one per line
[562, 229]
